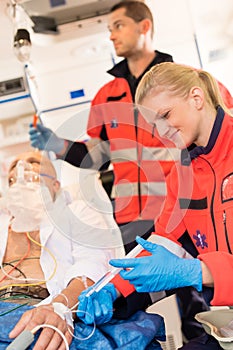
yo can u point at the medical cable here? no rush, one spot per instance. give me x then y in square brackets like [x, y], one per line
[22, 284]
[18, 263]
[105, 279]
[11, 263]
[24, 339]
[15, 267]
[17, 296]
[13, 309]
[31, 279]
[108, 276]
[66, 314]
[14, 294]
[28, 258]
[92, 332]
[49, 252]
[64, 296]
[83, 280]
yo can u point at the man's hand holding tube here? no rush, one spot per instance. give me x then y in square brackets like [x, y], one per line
[162, 270]
[45, 139]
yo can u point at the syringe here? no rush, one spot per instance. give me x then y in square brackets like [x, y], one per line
[96, 287]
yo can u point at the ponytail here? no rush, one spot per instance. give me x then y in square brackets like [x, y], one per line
[179, 79]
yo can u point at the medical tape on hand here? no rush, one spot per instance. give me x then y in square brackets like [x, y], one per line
[64, 312]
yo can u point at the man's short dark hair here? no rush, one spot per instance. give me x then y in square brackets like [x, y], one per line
[136, 10]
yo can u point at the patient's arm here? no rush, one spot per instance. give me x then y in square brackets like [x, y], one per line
[44, 314]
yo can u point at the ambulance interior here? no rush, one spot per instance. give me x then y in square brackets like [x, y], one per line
[69, 56]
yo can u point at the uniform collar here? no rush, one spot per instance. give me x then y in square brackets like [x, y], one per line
[193, 151]
[121, 69]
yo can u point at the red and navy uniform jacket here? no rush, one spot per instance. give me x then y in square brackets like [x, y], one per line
[140, 160]
[200, 203]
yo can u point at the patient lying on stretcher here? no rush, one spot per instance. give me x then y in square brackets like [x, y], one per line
[42, 258]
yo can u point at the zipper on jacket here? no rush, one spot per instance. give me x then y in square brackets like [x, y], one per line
[212, 203]
[224, 216]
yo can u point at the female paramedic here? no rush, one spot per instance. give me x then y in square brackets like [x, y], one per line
[184, 105]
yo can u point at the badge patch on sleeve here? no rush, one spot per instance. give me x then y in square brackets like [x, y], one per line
[200, 240]
[114, 124]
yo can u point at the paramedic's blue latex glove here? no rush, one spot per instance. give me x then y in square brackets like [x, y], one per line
[98, 307]
[45, 139]
[160, 271]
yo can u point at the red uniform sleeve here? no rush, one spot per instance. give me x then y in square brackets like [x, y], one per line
[227, 98]
[123, 286]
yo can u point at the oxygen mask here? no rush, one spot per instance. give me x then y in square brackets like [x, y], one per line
[23, 173]
[27, 197]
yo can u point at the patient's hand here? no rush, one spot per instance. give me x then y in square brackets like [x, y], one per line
[49, 338]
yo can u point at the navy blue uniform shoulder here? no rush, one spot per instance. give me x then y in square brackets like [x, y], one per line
[162, 57]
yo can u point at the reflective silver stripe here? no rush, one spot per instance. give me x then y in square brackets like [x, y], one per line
[148, 153]
[147, 189]
[124, 155]
[170, 245]
[160, 153]
[156, 296]
[97, 149]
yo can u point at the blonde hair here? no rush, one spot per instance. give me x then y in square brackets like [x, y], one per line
[179, 79]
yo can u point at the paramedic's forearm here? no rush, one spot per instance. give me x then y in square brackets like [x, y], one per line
[207, 278]
[76, 154]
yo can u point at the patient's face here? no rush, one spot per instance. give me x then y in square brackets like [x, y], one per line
[36, 169]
